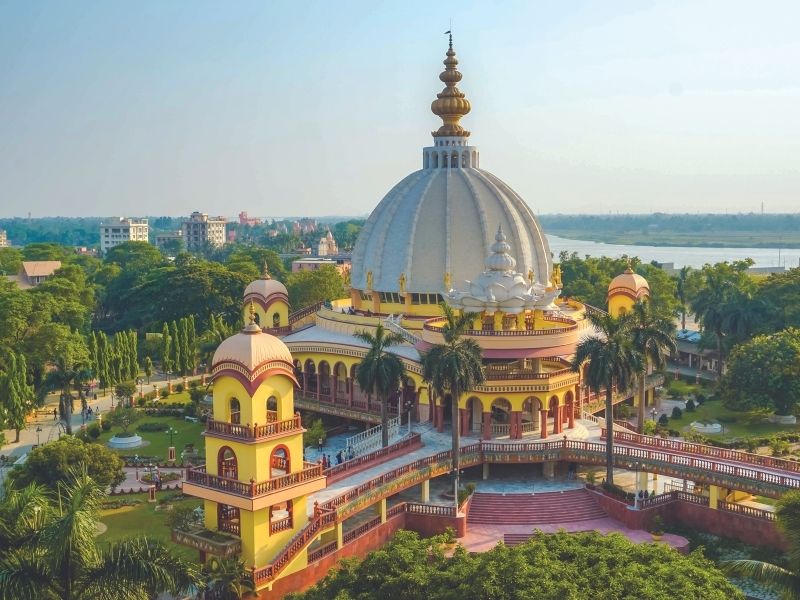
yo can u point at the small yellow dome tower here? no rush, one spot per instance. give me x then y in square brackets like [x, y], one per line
[625, 290]
[271, 301]
[255, 483]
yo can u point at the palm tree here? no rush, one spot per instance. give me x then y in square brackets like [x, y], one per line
[66, 377]
[784, 579]
[61, 558]
[454, 367]
[380, 373]
[227, 579]
[613, 361]
[653, 338]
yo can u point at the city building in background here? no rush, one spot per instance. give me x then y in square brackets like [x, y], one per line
[169, 240]
[34, 272]
[3, 238]
[341, 262]
[200, 230]
[119, 230]
[327, 245]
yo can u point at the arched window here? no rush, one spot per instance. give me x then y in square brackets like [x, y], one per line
[276, 319]
[426, 159]
[272, 409]
[257, 318]
[464, 164]
[236, 411]
[279, 461]
[227, 465]
[280, 517]
[435, 160]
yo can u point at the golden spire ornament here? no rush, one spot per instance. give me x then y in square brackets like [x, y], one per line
[451, 104]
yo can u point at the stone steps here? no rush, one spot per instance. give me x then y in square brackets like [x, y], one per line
[534, 509]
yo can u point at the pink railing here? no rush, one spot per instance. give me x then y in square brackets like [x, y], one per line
[747, 511]
[434, 510]
[365, 459]
[397, 509]
[280, 525]
[649, 441]
[199, 476]
[317, 553]
[255, 432]
[304, 312]
[513, 332]
[361, 530]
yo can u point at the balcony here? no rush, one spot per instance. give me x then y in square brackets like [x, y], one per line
[253, 433]
[254, 495]
[215, 543]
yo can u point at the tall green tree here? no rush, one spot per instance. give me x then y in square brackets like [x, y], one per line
[183, 337]
[614, 361]
[380, 372]
[654, 340]
[66, 376]
[166, 349]
[783, 579]
[177, 359]
[64, 560]
[682, 282]
[148, 368]
[103, 361]
[191, 343]
[133, 354]
[455, 367]
[93, 362]
[227, 579]
[16, 396]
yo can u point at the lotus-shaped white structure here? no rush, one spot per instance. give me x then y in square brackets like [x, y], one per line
[501, 288]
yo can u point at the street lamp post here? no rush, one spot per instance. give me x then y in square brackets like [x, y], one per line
[636, 489]
[171, 450]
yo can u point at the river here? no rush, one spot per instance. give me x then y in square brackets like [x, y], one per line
[680, 255]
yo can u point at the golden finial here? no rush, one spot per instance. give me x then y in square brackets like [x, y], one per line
[557, 276]
[447, 280]
[401, 281]
[629, 270]
[369, 280]
[265, 271]
[252, 313]
[451, 104]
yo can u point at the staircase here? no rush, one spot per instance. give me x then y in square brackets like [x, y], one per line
[534, 509]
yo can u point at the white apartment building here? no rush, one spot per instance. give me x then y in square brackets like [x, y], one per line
[119, 230]
[200, 230]
[3, 239]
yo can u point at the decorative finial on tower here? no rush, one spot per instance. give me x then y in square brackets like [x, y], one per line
[451, 104]
[252, 327]
[629, 270]
[265, 271]
[500, 259]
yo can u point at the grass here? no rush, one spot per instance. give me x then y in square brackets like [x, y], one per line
[188, 433]
[734, 424]
[143, 519]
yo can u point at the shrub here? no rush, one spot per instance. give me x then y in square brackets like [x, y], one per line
[179, 388]
[701, 398]
[465, 493]
[140, 401]
[779, 447]
[315, 432]
[196, 394]
[106, 425]
[657, 525]
[93, 431]
[164, 393]
[677, 413]
[650, 427]
[690, 405]
[190, 410]
[750, 444]
[181, 516]
[193, 384]
[663, 420]
[153, 427]
[165, 477]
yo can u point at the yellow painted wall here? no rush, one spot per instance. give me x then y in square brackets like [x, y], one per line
[265, 317]
[618, 304]
[253, 410]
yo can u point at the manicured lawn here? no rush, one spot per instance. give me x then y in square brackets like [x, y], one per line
[188, 433]
[734, 424]
[142, 519]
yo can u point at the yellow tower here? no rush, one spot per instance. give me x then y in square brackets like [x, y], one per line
[255, 484]
[624, 291]
[271, 301]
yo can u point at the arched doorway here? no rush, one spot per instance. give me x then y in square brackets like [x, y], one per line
[227, 465]
[228, 519]
[279, 461]
[310, 377]
[569, 407]
[359, 397]
[324, 379]
[531, 415]
[276, 320]
[500, 417]
[235, 411]
[341, 390]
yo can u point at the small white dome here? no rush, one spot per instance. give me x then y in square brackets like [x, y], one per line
[264, 288]
[251, 348]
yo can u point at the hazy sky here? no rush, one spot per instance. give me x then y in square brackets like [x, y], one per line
[311, 108]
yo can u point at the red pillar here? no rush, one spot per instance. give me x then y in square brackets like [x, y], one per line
[543, 424]
[487, 426]
[571, 415]
[439, 418]
[558, 425]
[463, 417]
[516, 425]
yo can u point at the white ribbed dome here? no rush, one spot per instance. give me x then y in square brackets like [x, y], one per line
[440, 221]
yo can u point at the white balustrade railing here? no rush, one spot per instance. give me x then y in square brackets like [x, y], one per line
[372, 438]
[392, 323]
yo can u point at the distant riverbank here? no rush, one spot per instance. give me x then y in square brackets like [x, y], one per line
[755, 239]
[692, 256]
